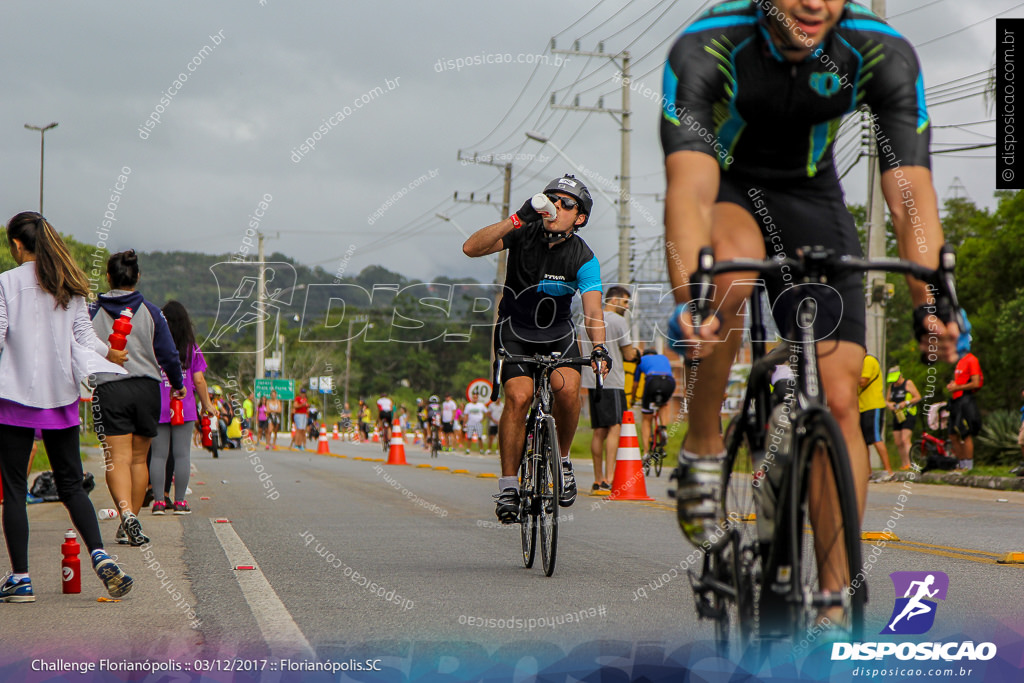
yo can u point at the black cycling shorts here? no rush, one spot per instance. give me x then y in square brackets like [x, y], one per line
[658, 389]
[608, 411]
[447, 427]
[127, 406]
[908, 423]
[872, 422]
[505, 338]
[798, 214]
[964, 416]
[385, 416]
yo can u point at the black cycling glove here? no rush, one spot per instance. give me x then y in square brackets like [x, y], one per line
[601, 353]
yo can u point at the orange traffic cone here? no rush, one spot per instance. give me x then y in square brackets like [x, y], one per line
[628, 483]
[336, 436]
[294, 433]
[396, 454]
[376, 437]
[322, 447]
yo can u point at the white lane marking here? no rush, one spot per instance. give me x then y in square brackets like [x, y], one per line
[280, 632]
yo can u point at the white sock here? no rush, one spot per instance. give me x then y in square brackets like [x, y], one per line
[19, 577]
[508, 483]
[965, 464]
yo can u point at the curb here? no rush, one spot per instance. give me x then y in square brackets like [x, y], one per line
[969, 480]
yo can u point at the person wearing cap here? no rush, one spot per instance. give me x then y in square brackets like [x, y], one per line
[300, 413]
[902, 399]
[964, 416]
[548, 262]
[871, 402]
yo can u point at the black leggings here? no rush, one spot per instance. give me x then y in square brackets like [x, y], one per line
[66, 462]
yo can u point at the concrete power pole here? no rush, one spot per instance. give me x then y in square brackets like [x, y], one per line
[259, 312]
[876, 240]
[625, 271]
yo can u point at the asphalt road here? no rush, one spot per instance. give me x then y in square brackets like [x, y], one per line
[445, 589]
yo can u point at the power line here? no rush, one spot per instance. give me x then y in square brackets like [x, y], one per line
[909, 11]
[964, 28]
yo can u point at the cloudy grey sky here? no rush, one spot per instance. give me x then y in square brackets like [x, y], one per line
[231, 132]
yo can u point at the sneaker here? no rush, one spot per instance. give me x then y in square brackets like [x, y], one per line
[467, 451]
[159, 507]
[120, 536]
[605, 486]
[113, 577]
[168, 503]
[133, 531]
[507, 506]
[568, 496]
[181, 508]
[148, 498]
[698, 499]
[31, 500]
[17, 591]
[595, 487]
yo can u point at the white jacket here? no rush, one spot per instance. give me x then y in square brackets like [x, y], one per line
[45, 350]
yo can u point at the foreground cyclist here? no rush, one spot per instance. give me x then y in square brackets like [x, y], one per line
[753, 97]
[547, 263]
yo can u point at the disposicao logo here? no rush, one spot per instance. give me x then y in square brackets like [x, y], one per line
[914, 613]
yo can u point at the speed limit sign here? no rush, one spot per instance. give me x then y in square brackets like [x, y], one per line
[478, 388]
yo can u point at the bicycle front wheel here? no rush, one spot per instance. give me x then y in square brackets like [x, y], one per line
[829, 551]
[527, 513]
[548, 490]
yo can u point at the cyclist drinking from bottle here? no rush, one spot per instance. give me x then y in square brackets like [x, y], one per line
[547, 264]
[754, 95]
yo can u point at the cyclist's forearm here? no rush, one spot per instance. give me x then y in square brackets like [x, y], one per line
[689, 201]
[915, 218]
[487, 240]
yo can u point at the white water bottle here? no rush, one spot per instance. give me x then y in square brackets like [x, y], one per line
[544, 206]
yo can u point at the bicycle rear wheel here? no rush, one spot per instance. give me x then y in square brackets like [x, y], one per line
[659, 457]
[548, 490]
[829, 556]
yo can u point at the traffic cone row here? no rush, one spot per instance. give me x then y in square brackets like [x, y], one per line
[628, 482]
[336, 436]
[396, 454]
[322, 447]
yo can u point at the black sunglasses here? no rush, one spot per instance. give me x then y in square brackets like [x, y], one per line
[568, 202]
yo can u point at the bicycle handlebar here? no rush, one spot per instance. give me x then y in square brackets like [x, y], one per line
[543, 360]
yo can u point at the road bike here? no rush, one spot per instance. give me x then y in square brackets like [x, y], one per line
[655, 454]
[770, 576]
[385, 436]
[435, 438]
[540, 469]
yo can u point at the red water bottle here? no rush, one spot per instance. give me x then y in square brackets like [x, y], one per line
[70, 566]
[177, 411]
[206, 426]
[122, 328]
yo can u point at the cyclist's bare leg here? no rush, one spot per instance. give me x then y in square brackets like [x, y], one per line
[645, 431]
[734, 234]
[512, 426]
[565, 382]
[597, 454]
[840, 364]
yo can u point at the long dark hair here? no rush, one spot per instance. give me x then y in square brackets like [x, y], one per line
[57, 271]
[181, 331]
[123, 269]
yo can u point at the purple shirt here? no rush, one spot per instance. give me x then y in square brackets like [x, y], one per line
[17, 415]
[197, 364]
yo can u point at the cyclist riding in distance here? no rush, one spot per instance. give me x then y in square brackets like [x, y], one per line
[548, 262]
[433, 421]
[659, 385]
[754, 95]
[385, 414]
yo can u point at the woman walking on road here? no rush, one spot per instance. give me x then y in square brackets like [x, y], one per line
[129, 405]
[47, 347]
[174, 441]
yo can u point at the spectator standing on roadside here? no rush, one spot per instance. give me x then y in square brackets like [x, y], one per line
[902, 400]
[494, 410]
[964, 416]
[606, 414]
[47, 347]
[263, 422]
[474, 416]
[300, 416]
[129, 405]
[871, 402]
[248, 409]
[274, 412]
[173, 441]
[448, 410]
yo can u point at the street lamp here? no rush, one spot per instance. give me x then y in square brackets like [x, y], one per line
[279, 345]
[545, 140]
[42, 141]
[489, 257]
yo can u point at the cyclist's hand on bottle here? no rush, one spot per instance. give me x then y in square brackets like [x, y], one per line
[937, 339]
[684, 337]
[600, 361]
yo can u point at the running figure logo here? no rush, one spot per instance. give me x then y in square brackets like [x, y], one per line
[914, 613]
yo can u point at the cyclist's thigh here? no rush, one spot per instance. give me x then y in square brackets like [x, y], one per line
[518, 393]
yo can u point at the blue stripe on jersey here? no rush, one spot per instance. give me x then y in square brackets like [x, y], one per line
[856, 74]
[670, 89]
[719, 22]
[729, 132]
[854, 8]
[557, 287]
[730, 6]
[588, 277]
[868, 25]
[819, 143]
[922, 108]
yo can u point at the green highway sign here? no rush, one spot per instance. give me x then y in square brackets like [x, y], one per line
[285, 388]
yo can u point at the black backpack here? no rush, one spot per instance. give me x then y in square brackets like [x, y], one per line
[45, 486]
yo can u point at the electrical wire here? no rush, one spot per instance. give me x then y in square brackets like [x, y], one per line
[964, 28]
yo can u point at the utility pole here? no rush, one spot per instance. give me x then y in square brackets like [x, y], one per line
[42, 143]
[876, 239]
[260, 371]
[625, 271]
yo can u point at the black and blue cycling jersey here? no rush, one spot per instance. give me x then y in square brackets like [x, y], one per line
[729, 92]
[541, 280]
